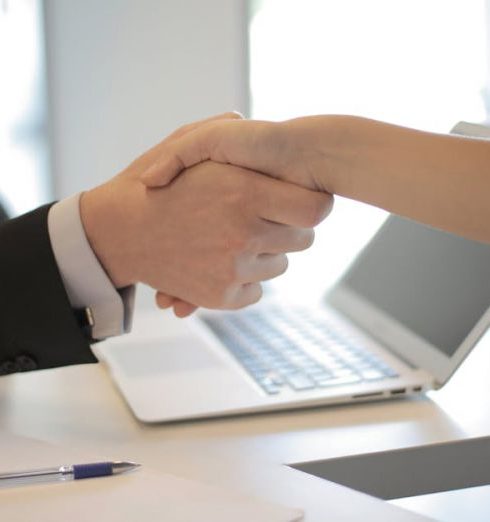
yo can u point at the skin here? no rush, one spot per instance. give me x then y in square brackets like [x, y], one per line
[208, 239]
[440, 180]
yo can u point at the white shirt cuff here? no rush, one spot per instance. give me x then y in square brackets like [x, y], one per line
[85, 280]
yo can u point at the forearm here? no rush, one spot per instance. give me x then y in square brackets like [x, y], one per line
[441, 180]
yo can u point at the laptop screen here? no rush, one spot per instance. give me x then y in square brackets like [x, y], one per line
[434, 283]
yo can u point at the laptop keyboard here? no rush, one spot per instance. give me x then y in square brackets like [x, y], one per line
[294, 349]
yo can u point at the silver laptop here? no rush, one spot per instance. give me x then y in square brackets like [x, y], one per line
[399, 322]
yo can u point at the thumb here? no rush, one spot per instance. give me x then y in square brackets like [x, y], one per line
[179, 133]
[244, 143]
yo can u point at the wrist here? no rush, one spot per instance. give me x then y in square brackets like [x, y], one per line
[315, 142]
[337, 151]
[105, 231]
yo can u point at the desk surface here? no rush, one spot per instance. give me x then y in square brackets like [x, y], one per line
[80, 405]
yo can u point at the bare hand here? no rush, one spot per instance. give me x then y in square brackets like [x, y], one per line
[268, 147]
[290, 150]
[209, 239]
[164, 301]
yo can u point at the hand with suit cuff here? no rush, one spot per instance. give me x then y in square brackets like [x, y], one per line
[208, 239]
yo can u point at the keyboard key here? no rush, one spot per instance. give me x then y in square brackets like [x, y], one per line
[316, 370]
[372, 375]
[342, 372]
[286, 368]
[271, 389]
[389, 372]
[300, 382]
[338, 381]
[321, 378]
[279, 349]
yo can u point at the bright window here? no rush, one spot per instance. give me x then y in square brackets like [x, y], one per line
[419, 63]
[24, 180]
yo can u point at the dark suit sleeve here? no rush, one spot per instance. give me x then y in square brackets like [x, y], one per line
[38, 328]
[3, 214]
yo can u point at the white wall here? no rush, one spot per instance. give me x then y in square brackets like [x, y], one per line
[124, 73]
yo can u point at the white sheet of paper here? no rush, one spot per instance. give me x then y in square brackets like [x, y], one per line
[144, 494]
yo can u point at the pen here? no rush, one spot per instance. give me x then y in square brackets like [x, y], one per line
[70, 472]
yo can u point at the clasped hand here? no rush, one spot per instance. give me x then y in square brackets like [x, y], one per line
[212, 235]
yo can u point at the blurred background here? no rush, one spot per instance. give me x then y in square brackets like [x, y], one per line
[87, 86]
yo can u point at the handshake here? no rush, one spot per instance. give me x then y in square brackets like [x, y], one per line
[209, 213]
[200, 217]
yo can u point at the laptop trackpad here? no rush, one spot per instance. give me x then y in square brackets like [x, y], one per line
[177, 377]
[182, 354]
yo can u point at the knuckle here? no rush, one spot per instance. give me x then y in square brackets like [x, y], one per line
[283, 264]
[255, 294]
[318, 209]
[308, 238]
[253, 242]
[329, 201]
[259, 292]
[243, 238]
[309, 217]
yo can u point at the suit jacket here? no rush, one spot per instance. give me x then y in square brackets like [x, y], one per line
[38, 328]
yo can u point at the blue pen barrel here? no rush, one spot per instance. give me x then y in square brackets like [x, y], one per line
[97, 469]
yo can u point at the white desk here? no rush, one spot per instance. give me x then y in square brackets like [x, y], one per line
[80, 406]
